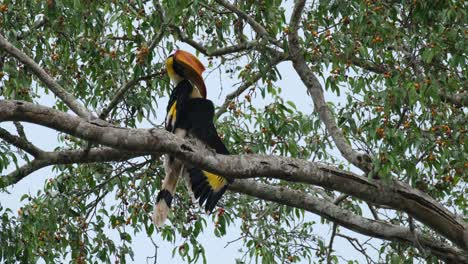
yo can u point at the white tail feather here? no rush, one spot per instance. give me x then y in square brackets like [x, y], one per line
[172, 168]
[161, 210]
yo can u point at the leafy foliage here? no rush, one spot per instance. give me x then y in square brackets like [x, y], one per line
[398, 66]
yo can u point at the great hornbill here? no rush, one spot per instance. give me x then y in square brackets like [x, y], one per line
[189, 113]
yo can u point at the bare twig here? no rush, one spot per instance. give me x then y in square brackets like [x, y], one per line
[358, 246]
[155, 257]
[233, 241]
[330, 245]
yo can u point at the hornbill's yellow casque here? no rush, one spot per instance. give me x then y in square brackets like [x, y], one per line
[189, 113]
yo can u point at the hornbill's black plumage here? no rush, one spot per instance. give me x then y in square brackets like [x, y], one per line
[189, 113]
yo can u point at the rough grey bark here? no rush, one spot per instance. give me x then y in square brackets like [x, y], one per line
[395, 194]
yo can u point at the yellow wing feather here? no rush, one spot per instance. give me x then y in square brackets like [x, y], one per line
[216, 182]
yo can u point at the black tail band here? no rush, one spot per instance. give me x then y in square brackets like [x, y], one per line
[166, 195]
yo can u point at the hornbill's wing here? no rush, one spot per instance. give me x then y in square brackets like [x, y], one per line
[175, 111]
[206, 186]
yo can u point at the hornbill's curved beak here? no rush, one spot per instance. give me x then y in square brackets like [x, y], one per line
[184, 65]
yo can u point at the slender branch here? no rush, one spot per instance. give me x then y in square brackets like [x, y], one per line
[155, 41]
[240, 13]
[253, 79]
[278, 57]
[257, 27]
[218, 52]
[128, 85]
[56, 88]
[373, 211]
[20, 143]
[155, 257]
[357, 247]
[398, 195]
[340, 198]
[337, 201]
[314, 87]
[330, 245]
[37, 24]
[460, 99]
[20, 130]
[346, 218]
[123, 90]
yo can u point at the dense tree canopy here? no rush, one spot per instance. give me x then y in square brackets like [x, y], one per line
[388, 160]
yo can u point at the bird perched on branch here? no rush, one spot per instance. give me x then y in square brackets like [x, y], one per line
[189, 113]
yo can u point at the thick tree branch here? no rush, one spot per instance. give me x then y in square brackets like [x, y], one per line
[66, 157]
[399, 196]
[22, 172]
[58, 90]
[346, 218]
[314, 87]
